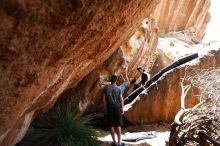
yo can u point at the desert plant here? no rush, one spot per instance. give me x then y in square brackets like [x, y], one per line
[62, 127]
[199, 125]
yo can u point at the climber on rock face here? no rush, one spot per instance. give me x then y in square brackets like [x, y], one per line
[127, 83]
[144, 75]
[114, 103]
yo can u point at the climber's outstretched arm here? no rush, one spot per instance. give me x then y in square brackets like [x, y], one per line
[125, 78]
[105, 83]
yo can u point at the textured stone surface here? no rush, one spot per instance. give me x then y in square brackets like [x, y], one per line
[187, 36]
[162, 101]
[140, 49]
[173, 15]
[48, 46]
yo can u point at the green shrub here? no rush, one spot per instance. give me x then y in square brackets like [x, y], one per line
[62, 128]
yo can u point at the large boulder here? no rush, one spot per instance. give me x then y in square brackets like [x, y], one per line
[139, 49]
[161, 101]
[49, 46]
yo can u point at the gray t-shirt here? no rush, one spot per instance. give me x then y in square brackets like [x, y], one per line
[122, 87]
[112, 93]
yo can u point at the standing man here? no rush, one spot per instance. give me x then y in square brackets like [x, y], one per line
[114, 103]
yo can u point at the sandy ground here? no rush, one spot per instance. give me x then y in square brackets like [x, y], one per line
[162, 135]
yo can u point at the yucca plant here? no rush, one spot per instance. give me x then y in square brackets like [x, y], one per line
[62, 127]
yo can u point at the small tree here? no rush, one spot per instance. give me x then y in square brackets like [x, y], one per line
[203, 120]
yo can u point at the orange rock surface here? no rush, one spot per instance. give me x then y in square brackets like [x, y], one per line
[140, 49]
[48, 46]
[173, 15]
[161, 101]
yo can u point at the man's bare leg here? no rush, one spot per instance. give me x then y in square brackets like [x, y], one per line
[112, 131]
[118, 132]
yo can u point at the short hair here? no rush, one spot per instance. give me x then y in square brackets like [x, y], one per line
[139, 68]
[133, 81]
[114, 78]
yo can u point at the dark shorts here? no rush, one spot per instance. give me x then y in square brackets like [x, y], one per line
[114, 117]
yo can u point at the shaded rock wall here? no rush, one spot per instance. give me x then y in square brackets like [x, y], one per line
[173, 15]
[139, 49]
[162, 100]
[48, 46]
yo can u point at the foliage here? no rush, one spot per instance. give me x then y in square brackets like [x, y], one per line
[62, 127]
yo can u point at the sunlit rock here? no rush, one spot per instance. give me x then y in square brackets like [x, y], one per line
[161, 101]
[173, 15]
